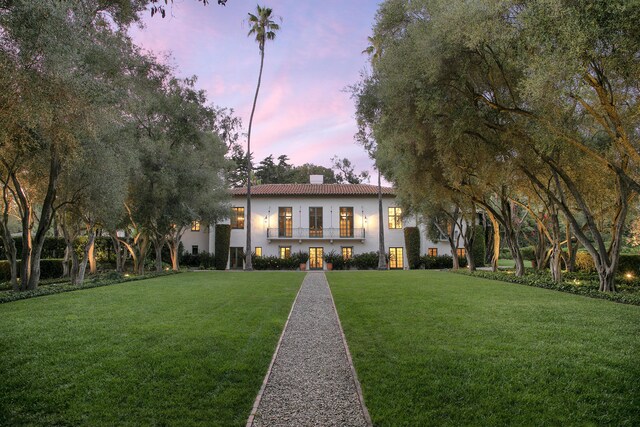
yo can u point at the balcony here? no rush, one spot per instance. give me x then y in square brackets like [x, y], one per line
[313, 234]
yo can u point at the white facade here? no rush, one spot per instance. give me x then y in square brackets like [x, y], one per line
[281, 223]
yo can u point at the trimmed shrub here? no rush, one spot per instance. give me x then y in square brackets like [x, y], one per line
[366, 261]
[528, 253]
[440, 262]
[49, 269]
[275, 263]
[412, 243]
[629, 264]
[479, 250]
[203, 259]
[223, 237]
[584, 262]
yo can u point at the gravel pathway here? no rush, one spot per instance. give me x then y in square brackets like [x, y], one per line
[312, 381]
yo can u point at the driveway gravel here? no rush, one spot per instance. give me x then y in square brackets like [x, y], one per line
[311, 382]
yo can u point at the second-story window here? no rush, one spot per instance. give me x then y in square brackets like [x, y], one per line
[395, 218]
[315, 222]
[346, 222]
[237, 217]
[285, 222]
[195, 226]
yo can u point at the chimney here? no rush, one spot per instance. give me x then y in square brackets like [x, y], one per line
[316, 179]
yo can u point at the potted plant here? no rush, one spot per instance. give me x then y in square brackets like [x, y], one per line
[302, 257]
[330, 258]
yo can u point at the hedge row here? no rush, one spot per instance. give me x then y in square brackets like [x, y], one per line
[587, 288]
[49, 269]
[201, 260]
[440, 262]
[111, 279]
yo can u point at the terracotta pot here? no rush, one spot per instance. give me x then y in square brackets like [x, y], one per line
[303, 266]
[329, 266]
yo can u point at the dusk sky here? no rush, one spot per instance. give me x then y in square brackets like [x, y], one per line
[303, 109]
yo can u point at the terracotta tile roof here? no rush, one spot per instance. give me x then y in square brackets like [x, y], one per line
[264, 190]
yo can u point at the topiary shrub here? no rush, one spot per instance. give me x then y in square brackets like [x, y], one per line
[479, 250]
[223, 237]
[584, 262]
[412, 243]
[440, 262]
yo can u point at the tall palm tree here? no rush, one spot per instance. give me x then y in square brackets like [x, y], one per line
[374, 50]
[264, 29]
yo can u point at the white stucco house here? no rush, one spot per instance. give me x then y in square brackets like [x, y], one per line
[315, 218]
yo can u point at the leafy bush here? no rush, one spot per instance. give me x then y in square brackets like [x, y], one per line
[301, 256]
[412, 243]
[584, 262]
[332, 257]
[223, 237]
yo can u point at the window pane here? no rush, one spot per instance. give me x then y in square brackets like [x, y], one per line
[258, 251]
[195, 226]
[346, 222]
[237, 217]
[285, 222]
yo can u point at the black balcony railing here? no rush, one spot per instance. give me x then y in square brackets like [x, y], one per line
[315, 234]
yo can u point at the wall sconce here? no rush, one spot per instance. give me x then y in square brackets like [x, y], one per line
[265, 220]
[365, 220]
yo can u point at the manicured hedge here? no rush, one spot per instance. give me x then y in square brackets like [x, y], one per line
[412, 243]
[109, 279]
[49, 269]
[365, 261]
[275, 263]
[203, 259]
[479, 250]
[440, 262]
[223, 237]
[587, 288]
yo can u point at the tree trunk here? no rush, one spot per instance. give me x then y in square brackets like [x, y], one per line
[495, 251]
[382, 258]
[65, 261]
[117, 249]
[173, 251]
[157, 245]
[248, 265]
[93, 265]
[87, 248]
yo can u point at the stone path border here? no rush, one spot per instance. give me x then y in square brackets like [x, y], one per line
[311, 379]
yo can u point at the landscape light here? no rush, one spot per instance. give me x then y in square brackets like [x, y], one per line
[629, 276]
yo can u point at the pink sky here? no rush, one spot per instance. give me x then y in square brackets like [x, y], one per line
[303, 110]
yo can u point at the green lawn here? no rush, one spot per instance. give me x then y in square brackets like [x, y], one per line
[436, 348]
[187, 349]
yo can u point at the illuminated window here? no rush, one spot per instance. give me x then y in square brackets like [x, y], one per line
[395, 218]
[346, 222]
[347, 252]
[432, 252]
[461, 252]
[237, 217]
[315, 222]
[285, 252]
[396, 259]
[195, 226]
[285, 222]
[258, 251]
